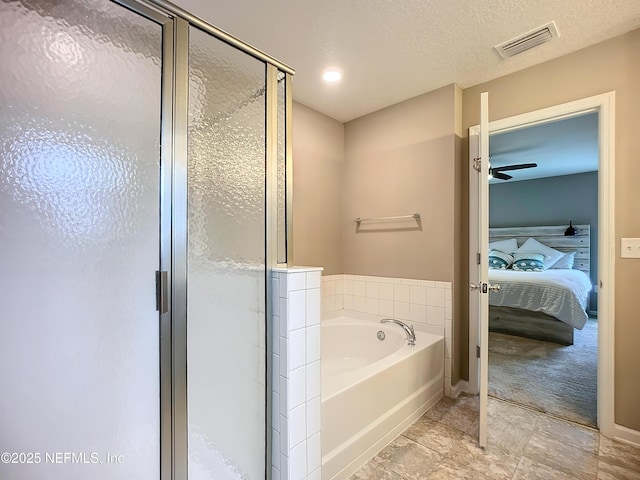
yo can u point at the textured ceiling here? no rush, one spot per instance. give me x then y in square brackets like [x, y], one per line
[394, 50]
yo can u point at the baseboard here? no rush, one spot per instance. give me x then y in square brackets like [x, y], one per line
[626, 435]
[459, 387]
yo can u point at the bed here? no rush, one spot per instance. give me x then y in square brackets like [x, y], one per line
[548, 304]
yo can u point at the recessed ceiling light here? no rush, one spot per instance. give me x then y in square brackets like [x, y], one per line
[332, 75]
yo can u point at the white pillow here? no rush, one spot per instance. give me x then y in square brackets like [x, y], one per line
[566, 261]
[506, 246]
[551, 255]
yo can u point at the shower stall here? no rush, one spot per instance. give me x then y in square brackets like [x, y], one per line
[144, 183]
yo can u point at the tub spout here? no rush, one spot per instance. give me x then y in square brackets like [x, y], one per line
[408, 329]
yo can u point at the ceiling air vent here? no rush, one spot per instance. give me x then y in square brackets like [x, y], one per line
[528, 40]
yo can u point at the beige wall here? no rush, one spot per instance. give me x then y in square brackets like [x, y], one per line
[611, 65]
[460, 334]
[404, 159]
[399, 161]
[318, 152]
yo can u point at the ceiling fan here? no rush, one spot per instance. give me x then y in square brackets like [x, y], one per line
[496, 172]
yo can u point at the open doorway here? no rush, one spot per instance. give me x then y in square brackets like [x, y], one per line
[543, 322]
[603, 105]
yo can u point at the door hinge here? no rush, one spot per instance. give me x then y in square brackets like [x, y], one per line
[477, 164]
[162, 296]
[478, 258]
[477, 351]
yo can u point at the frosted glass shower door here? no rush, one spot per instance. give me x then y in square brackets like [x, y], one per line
[226, 343]
[80, 101]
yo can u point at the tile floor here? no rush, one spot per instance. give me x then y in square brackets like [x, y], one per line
[523, 445]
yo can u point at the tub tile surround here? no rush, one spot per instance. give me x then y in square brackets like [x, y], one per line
[296, 421]
[425, 304]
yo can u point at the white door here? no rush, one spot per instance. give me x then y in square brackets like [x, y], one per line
[481, 286]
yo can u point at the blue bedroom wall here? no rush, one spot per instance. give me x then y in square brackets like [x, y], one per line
[549, 201]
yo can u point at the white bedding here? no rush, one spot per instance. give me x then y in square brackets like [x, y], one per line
[562, 294]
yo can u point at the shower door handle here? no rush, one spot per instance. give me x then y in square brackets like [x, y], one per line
[162, 294]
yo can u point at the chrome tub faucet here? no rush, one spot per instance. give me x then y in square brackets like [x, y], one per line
[408, 329]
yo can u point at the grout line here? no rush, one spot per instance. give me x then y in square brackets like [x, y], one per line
[518, 465]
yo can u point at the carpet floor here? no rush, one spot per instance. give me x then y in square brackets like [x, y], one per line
[551, 378]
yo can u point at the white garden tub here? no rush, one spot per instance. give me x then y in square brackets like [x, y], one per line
[372, 389]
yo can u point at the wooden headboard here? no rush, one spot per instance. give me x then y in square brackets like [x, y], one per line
[553, 236]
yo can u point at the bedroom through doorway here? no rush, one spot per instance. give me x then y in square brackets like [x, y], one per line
[543, 219]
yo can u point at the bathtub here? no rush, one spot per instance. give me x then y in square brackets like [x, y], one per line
[372, 389]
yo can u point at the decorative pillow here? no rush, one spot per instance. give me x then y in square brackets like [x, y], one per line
[528, 262]
[551, 255]
[506, 246]
[499, 260]
[566, 261]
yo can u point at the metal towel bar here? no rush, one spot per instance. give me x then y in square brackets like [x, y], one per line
[415, 216]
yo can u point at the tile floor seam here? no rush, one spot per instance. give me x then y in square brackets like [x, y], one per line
[445, 456]
[513, 475]
[430, 449]
[384, 467]
[551, 463]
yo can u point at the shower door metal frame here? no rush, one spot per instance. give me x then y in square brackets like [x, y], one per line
[179, 421]
[271, 234]
[289, 162]
[173, 218]
[168, 146]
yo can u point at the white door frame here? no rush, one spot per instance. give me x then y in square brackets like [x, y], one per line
[604, 104]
